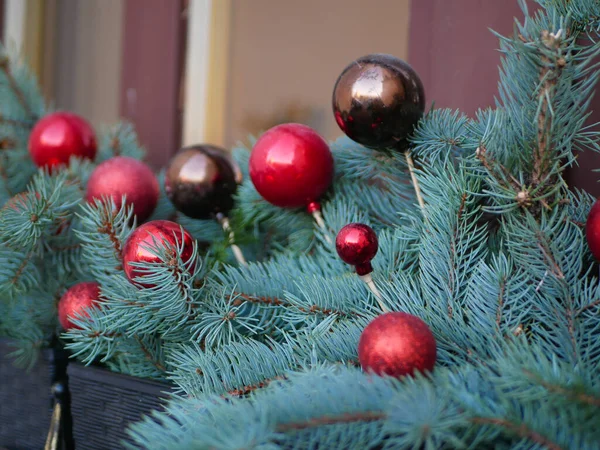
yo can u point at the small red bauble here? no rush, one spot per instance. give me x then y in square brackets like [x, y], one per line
[120, 176]
[138, 247]
[397, 344]
[58, 136]
[592, 230]
[75, 303]
[291, 165]
[357, 245]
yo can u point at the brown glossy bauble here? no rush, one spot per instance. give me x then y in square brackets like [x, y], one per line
[157, 233]
[397, 344]
[201, 181]
[357, 245]
[592, 230]
[377, 101]
[120, 176]
[58, 136]
[75, 303]
[291, 166]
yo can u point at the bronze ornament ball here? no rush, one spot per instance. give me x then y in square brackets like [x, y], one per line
[201, 181]
[377, 101]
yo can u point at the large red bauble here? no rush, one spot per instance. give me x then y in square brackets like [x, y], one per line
[138, 247]
[291, 165]
[592, 230]
[120, 176]
[76, 301]
[396, 344]
[357, 244]
[58, 136]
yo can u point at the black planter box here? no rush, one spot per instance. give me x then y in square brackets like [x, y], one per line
[26, 398]
[104, 404]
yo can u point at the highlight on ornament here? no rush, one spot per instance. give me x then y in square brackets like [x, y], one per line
[127, 177]
[201, 182]
[291, 166]
[377, 101]
[142, 245]
[357, 245]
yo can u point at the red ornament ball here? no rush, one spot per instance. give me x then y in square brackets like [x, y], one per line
[75, 303]
[120, 176]
[138, 247]
[357, 245]
[291, 165]
[592, 230]
[58, 136]
[397, 344]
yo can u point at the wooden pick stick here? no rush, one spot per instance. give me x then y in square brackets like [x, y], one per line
[415, 182]
[368, 280]
[237, 252]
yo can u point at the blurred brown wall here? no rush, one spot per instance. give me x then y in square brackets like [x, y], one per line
[454, 51]
[125, 58]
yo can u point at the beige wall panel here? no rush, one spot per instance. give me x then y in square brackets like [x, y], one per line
[286, 56]
[88, 51]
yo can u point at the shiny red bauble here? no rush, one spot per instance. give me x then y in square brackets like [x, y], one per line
[357, 245]
[291, 165]
[58, 136]
[120, 176]
[75, 303]
[397, 344]
[592, 230]
[139, 245]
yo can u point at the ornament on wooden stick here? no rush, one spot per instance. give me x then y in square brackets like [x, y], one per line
[377, 101]
[291, 166]
[357, 245]
[201, 182]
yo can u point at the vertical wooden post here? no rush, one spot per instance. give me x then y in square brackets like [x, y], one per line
[454, 52]
[153, 39]
[455, 55]
[2, 6]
